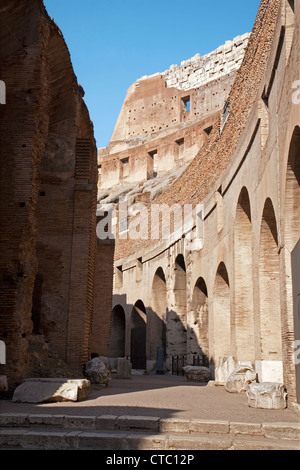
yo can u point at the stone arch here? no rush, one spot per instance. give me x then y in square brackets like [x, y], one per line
[291, 231]
[243, 280]
[117, 338]
[198, 321]
[138, 336]
[222, 338]
[157, 314]
[176, 314]
[180, 287]
[270, 318]
[292, 193]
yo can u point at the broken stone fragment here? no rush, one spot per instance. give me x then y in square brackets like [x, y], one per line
[40, 390]
[97, 372]
[197, 374]
[267, 395]
[240, 378]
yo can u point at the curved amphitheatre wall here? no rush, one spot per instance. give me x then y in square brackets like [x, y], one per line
[166, 117]
[234, 295]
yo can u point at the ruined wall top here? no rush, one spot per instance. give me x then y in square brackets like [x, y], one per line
[200, 70]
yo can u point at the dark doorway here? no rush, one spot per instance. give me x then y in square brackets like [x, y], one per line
[117, 338]
[37, 304]
[138, 336]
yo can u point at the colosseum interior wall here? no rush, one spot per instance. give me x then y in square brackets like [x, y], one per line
[233, 295]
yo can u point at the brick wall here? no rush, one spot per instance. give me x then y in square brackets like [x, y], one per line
[48, 194]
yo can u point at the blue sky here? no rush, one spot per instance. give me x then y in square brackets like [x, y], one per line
[115, 42]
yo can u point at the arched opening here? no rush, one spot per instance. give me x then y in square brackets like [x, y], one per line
[198, 325]
[222, 343]
[270, 318]
[243, 287]
[117, 338]
[157, 316]
[292, 257]
[292, 194]
[138, 336]
[176, 317]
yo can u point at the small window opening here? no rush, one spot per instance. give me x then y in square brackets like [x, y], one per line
[152, 165]
[124, 168]
[139, 269]
[119, 276]
[186, 103]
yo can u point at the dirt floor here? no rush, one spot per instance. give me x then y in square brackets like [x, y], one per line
[163, 396]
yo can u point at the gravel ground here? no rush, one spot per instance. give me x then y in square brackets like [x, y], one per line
[163, 396]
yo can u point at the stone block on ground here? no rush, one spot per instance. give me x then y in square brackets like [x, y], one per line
[240, 378]
[197, 373]
[267, 395]
[41, 390]
[97, 372]
[123, 369]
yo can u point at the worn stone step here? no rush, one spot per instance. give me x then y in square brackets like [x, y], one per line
[156, 425]
[58, 439]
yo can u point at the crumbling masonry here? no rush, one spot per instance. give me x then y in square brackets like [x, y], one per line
[50, 258]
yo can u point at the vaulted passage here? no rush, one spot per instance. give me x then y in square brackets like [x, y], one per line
[176, 316]
[117, 339]
[138, 336]
[222, 343]
[270, 322]
[243, 289]
[198, 322]
[157, 315]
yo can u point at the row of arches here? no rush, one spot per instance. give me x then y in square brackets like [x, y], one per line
[181, 329]
[241, 315]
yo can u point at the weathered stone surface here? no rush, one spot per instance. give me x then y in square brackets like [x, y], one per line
[51, 390]
[123, 369]
[56, 133]
[267, 395]
[197, 374]
[224, 368]
[97, 372]
[106, 362]
[3, 383]
[240, 378]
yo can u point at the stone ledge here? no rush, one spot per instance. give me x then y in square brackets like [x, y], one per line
[71, 440]
[137, 422]
[161, 426]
